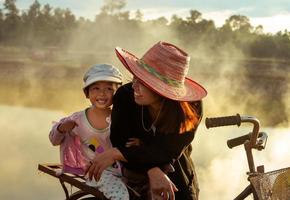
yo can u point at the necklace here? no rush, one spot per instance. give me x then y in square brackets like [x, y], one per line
[152, 127]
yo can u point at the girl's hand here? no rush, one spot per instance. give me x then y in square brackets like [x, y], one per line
[66, 126]
[160, 185]
[101, 162]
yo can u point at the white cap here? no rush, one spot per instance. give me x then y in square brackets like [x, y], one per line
[102, 72]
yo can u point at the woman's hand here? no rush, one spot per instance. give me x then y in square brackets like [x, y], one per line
[101, 162]
[161, 186]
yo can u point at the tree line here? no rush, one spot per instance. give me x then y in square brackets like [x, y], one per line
[44, 26]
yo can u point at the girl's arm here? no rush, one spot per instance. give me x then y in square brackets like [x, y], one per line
[59, 129]
[55, 136]
[102, 161]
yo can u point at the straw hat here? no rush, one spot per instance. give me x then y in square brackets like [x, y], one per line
[163, 68]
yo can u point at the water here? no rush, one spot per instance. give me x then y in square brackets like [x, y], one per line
[24, 144]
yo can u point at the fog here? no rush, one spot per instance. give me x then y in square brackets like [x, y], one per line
[52, 77]
[38, 90]
[221, 171]
[235, 82]
[24, 144]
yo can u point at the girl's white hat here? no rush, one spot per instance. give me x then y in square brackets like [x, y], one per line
[102, 72]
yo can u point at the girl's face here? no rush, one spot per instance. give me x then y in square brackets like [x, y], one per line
[143, 95]
[101, 94]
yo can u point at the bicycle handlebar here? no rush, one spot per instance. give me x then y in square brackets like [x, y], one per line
[250, 141]
[236, 120]
[237, 141]
[241, 140]
[223, 121]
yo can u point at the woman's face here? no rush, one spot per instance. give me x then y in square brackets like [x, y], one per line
[143, 95]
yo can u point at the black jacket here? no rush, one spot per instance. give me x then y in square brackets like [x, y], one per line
[157, 149]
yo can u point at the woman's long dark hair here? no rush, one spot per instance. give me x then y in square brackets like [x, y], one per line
[177, 117]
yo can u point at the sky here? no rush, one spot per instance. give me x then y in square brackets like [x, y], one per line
[273, 15]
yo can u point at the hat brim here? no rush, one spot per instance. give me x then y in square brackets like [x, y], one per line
[101, 78]
[192, 91]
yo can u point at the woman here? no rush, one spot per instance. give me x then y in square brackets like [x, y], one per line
[154, 120]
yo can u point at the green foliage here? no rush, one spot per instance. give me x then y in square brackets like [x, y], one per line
[45, 26]
[112, 7]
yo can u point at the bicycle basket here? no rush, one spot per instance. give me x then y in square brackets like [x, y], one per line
[274, 185]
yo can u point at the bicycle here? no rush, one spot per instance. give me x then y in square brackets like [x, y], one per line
[83, 192]
[273, 185]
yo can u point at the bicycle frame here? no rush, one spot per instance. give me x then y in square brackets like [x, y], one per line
[73, 180]
[252, 143]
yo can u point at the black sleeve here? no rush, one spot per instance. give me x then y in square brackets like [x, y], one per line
[121, 117]
[163, 149]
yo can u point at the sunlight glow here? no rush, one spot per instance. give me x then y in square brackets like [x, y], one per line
[280, 148]
[271, 24]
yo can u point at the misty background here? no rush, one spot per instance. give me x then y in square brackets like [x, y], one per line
[44, 52]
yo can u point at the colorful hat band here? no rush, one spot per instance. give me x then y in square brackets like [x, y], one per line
[161, 77]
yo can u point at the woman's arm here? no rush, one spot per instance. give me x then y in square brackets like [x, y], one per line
[161, 186]
[102, 161]
[162, 149]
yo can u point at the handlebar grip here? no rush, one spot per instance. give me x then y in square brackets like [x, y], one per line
[240, 140]
[223, 121]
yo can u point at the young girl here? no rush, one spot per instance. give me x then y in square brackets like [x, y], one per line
[85, 134]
